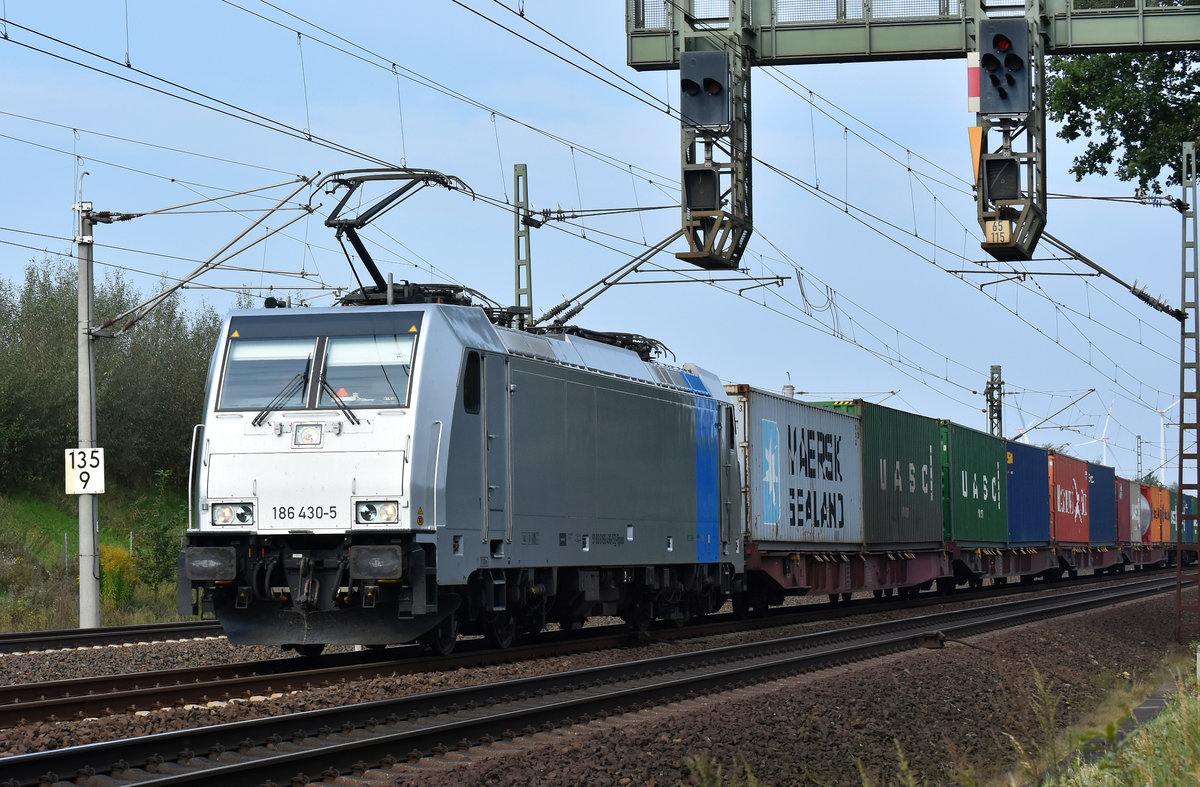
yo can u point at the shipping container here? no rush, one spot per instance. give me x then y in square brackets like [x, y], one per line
[974, 485]
[1068, 500]
[1158, 502]
[902, 479]
[1146, 509]
[1172, 533]
[1125, 511]
[1028, 495]
[802, 469]
[1139, 523]
[1102, 505]
[1189, 524]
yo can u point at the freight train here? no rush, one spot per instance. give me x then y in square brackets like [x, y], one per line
[415, 471]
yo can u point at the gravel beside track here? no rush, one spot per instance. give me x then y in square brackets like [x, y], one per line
[943, 706]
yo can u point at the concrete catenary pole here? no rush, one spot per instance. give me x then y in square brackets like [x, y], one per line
[89, 559]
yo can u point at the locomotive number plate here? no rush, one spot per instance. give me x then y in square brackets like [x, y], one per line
[304, 512]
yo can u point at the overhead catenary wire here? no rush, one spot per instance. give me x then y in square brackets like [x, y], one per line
[590, 240]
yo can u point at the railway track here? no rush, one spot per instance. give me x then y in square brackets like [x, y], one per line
[349, 740]
[107, 635]
[108, 694]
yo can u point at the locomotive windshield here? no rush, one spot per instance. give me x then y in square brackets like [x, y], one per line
[367, 371]
[261, 370]
[322, 361]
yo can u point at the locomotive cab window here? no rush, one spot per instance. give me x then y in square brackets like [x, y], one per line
[367, 371]
[260, 371]
[472, 384]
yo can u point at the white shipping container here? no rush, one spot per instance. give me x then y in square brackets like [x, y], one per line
[801, 467]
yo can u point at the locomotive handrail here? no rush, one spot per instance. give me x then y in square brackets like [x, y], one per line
[437, 463]
[196, 430]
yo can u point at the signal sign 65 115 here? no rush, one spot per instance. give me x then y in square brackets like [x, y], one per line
[85, 471]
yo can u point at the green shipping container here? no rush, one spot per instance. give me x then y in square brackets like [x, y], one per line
[1174, 517]
[902, 477]
[975, 487]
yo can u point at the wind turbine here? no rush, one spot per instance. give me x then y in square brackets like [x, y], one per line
[1104, 433]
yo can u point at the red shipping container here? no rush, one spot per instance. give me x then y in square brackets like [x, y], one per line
[1125, 499]
[1069, 522]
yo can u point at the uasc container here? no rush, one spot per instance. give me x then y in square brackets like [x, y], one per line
[802, 467]
[1069, 495]
[974, 485]
[1028, 495]
[902, 478]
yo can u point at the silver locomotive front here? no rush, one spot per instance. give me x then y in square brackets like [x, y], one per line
[304, 531]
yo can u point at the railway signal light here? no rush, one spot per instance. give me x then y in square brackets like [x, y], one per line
[704, 98]
[1004, 67]
[702, 189]
[1001, 179]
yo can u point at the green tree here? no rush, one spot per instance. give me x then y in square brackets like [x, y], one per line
[157, 537]
[1135, 109]
[149, 380]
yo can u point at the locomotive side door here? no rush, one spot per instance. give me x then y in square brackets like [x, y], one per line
[496, 448]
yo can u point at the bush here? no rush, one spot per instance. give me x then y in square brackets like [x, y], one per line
[158, 529]
[118, 575]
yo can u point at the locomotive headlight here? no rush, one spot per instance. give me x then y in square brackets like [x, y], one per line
[307, 434]
[377, 513]
[233, 514]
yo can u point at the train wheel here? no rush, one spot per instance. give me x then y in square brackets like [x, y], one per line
[442, 637]
[307, 650]
[500, 629]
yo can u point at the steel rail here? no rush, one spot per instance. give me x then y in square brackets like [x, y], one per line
[107, 635]
[108, 694]
[352, 738]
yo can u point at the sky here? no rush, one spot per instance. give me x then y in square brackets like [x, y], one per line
[166, 104]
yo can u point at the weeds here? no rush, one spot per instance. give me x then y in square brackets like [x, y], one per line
[705, 772]
[39, 585]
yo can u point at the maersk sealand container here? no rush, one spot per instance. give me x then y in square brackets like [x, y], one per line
[1102, 505]
[1028, 495]
[902, 478]
[974, 484]
[802, 468]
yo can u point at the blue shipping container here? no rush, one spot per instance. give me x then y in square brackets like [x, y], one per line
[1028, 495]
[1102, 500]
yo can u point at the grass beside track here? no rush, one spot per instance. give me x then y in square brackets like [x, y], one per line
[39, 577]
[1164, 751]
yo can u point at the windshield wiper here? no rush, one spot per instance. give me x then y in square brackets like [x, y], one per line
[341, 405]
[289, 390]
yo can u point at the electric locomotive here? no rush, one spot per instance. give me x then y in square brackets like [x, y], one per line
[387, 473]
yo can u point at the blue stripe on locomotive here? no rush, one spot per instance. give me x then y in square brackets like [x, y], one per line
[708, 486]
[1102, 505]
